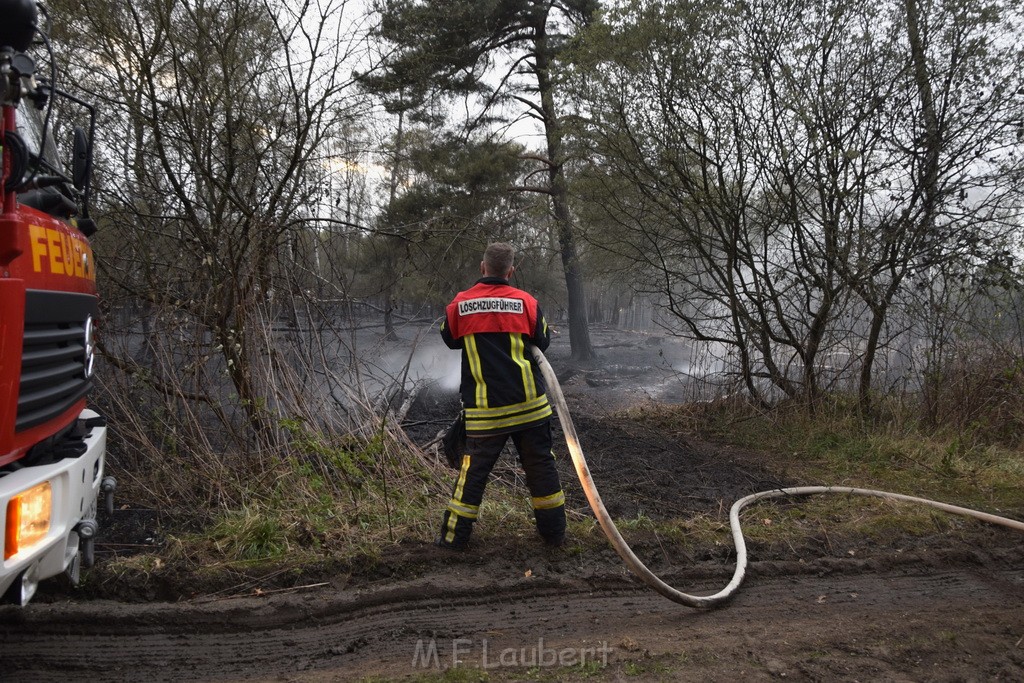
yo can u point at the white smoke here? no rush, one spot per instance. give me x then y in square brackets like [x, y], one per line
[431, 361]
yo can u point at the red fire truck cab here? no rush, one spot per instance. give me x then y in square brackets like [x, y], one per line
[51, 446]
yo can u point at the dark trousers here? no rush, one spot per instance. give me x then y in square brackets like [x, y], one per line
[534, 447]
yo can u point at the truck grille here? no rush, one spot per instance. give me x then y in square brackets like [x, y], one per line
[53, 356]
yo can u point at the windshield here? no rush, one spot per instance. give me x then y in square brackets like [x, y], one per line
[44, 186]
[30, 127]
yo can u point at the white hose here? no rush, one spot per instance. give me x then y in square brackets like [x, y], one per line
[645, 574]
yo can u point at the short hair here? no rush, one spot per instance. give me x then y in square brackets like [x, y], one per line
[498, 258]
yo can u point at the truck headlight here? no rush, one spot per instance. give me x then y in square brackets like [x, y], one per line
[28, 518]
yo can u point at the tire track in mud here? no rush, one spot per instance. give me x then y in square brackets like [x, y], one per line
[862, 620]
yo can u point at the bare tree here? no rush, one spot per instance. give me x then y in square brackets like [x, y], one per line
[777, 172]
[221, 119]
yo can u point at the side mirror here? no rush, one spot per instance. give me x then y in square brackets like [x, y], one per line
[80, 159]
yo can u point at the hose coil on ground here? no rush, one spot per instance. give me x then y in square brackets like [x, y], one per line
[645, 574]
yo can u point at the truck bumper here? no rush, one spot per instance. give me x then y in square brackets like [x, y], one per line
[75, 485]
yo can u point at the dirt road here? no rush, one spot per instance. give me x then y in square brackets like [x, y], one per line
[910, 622]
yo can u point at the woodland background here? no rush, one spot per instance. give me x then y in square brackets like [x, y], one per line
[824, 198]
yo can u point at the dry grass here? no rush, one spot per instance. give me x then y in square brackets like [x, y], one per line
[836, 447]
[315, 470]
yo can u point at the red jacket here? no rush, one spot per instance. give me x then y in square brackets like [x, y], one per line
[502, 388]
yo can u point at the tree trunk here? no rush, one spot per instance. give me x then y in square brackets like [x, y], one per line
[927, 182]
[867, 365]
[390, 259]
[579, 329]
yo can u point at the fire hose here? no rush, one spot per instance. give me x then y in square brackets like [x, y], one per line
[645, 574]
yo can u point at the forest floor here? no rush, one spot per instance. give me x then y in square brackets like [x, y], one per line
[945, 604]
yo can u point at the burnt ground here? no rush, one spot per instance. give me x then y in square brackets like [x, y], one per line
[946, 606]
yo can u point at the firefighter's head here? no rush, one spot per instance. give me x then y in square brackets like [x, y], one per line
[20, 20]
[498, 260]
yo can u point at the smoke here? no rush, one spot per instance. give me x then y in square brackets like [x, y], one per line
[431, 362]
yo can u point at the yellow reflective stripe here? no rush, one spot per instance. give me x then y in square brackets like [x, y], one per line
[529, 388]
[548, 502]
[463, 509]
[450, 531]
[482, 425]
[543, 320]
[476, 369]
[449, 535]
[462, 478]
[487, 413]
[465, 506]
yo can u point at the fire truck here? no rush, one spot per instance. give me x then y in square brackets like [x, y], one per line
[51, 445]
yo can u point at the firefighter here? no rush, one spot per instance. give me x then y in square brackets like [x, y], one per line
[503, 395]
